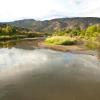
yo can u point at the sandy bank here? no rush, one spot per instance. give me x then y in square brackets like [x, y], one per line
[79, 49]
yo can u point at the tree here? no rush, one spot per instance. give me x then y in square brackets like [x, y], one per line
[91, 30]
[75, 32]
[7, 30]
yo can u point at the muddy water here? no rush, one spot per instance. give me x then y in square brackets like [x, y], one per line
[42, 74]
[24, 44]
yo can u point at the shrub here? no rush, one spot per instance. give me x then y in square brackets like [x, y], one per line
[60, 40]
[92, 43]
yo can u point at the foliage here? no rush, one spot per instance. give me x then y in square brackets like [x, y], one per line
[88, 36]
[60, 40]
[68, 32]
[7, 30]
[92, 31]
[75, 32]
[60, 33]
[91, 43]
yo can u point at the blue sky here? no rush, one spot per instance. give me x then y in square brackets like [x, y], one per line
[47, 9]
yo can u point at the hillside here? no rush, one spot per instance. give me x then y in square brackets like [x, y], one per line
[56, 24]
[6, 28]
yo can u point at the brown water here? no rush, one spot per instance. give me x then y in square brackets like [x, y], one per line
[24, 44]
[42, 74]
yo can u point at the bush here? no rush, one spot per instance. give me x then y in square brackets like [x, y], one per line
[92, 43]
[60, 40]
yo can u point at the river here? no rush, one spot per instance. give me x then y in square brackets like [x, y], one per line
[43, 74]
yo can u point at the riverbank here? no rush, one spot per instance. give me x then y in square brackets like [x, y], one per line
[32, 43]
[78, 49]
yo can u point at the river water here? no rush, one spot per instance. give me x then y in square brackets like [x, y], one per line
[43, 74]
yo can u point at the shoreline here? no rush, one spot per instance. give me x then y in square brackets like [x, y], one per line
[29, 43]
[76, 49]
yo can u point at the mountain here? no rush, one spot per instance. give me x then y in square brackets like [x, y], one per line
[56, 24]
[25, 23]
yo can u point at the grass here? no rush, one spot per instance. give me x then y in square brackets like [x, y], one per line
[60, 40]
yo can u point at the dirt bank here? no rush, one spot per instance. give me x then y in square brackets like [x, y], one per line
[79, 49]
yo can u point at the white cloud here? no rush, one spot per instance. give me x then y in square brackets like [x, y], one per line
[45, 9]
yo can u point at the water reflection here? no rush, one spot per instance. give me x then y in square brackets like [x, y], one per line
[7, 44]
[48, 75]
[24, 44]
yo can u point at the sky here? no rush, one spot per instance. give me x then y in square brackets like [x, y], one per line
[11, 10]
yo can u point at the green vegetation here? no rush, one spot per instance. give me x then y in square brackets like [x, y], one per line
[8, 32]
[69, 32]
[89, 37]
[60, 40]
[85, 30]
[7, 44]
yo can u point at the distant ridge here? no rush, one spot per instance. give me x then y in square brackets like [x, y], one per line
[56, 24]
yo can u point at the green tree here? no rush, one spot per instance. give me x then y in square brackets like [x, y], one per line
[75, 32]
[91, 30]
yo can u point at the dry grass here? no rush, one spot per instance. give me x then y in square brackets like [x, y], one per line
[60, 40]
